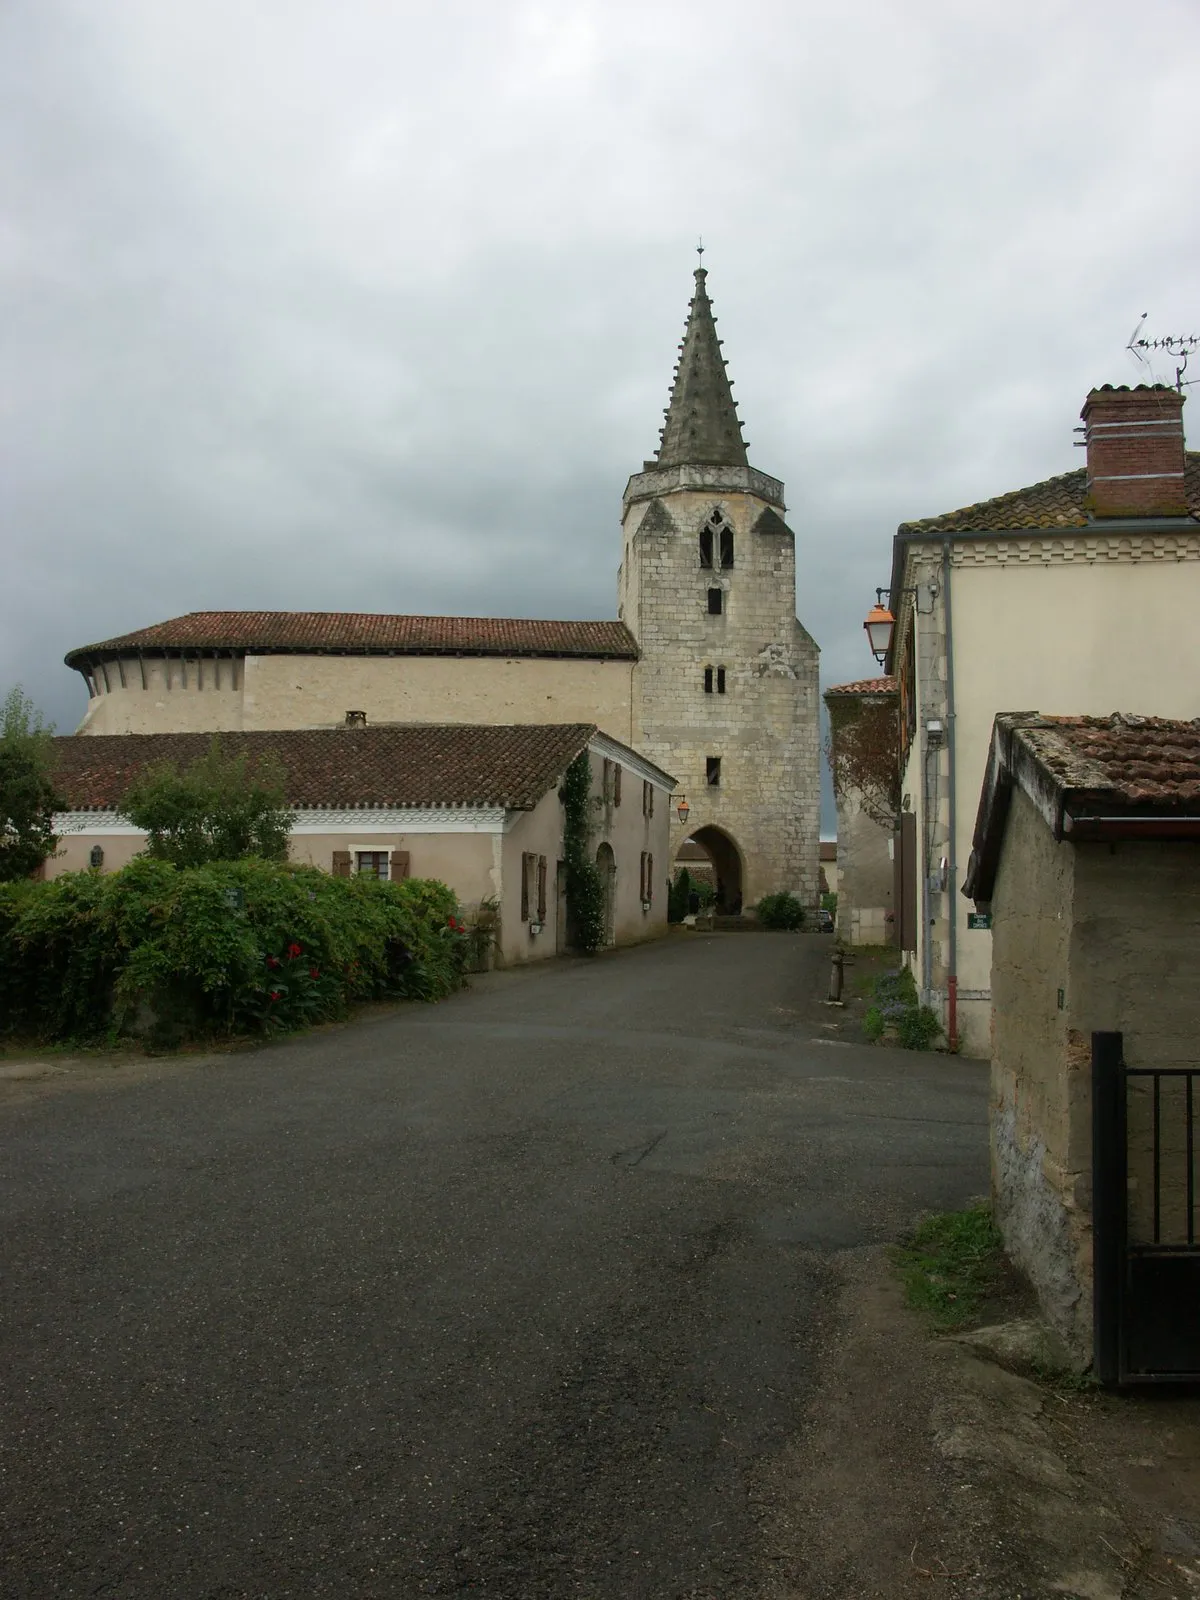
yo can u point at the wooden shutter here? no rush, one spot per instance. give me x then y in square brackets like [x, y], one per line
[617, 785]
[525, 888]
[400, 865]
[541, 888]
[649, 894]
[341, 863]
[650, 812]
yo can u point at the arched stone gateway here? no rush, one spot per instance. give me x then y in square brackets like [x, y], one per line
[714, 845]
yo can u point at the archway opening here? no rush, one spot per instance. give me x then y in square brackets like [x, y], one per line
[711, 855]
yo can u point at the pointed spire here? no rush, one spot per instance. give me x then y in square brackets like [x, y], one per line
[702, 427]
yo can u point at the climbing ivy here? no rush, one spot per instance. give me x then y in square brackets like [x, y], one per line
[585, 887]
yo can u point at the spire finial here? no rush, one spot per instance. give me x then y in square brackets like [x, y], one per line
[700, 249]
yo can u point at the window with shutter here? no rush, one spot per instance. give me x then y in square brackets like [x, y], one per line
[525, 888]
[541, 888]
[649, 894]
[372, 864]
[617, 784]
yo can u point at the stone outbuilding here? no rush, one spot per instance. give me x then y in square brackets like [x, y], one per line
[477, 807]
[1086, 862]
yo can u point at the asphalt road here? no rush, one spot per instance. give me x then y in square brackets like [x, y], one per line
[514, 1296]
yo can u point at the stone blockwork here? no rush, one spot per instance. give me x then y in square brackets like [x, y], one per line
[315, 691]
[764, 728]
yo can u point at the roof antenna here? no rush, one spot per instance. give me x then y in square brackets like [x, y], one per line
[1177, 345]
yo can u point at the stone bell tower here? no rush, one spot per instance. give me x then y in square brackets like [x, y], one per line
[725, 691]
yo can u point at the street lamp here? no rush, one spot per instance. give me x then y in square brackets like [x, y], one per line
[682, 809]
[878, 626]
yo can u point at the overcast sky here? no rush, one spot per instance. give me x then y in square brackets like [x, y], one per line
[374, 306]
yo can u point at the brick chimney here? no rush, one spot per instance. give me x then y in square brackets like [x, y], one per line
[1134, 443]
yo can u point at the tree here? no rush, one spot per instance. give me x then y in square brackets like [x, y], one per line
[28, 799]
[863, 749]
[219, 809]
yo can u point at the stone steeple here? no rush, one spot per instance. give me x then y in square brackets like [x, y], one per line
[702, 427]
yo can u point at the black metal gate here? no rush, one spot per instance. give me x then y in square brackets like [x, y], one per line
[1146, 1259]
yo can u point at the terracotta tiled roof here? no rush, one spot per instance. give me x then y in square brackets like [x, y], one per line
[410, 765]
[1091, 778]
[369, 633]
[864, 686]
[1121, 760]
[1054, 503]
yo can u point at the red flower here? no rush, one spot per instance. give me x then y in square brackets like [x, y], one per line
[275, 994]
[313, 973]
[294, 950]
[272, 961]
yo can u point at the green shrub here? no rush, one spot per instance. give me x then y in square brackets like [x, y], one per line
[678, 895]
[918, 1029]
[781, 910]
[229, 948]
[897, 1005]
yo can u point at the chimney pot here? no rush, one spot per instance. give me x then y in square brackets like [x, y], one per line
[356, 719]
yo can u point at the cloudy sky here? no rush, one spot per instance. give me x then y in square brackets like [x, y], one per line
[314, 305]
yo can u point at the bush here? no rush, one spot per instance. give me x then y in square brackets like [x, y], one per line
[897, 1005]
[229, 948]
[780, 911]
[678, 894]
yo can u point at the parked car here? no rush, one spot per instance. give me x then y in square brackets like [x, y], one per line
[824, 921]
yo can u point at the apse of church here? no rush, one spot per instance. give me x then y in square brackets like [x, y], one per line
[725, 688]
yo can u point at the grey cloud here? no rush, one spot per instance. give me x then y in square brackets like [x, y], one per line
[376, 308]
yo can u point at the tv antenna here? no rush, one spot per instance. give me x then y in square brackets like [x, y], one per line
[1178, 346]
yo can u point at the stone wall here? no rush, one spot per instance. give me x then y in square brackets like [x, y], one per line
[865, 875]
[764, 729]
[314, 691]
[1086, 938]
[1039, 1172]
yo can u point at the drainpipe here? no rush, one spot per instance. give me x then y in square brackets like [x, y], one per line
[952, 975]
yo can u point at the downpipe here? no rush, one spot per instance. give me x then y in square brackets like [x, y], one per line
[952, 887]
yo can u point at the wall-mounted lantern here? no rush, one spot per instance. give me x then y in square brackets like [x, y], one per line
[96, 857]
[682, 809]
[879, 625]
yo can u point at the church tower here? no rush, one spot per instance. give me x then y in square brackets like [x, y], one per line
[725, 690]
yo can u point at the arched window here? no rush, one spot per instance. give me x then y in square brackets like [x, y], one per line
[716, 540]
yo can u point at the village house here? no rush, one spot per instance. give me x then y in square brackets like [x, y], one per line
[1085, 857]
[866, 808]
[476, 806]
[706, 671]
[1081, 591]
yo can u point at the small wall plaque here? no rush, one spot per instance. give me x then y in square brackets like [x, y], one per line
[979, 919]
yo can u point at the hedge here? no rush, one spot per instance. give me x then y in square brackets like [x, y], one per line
[228, 949]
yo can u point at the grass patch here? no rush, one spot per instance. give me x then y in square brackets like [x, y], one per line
[951, 1263]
